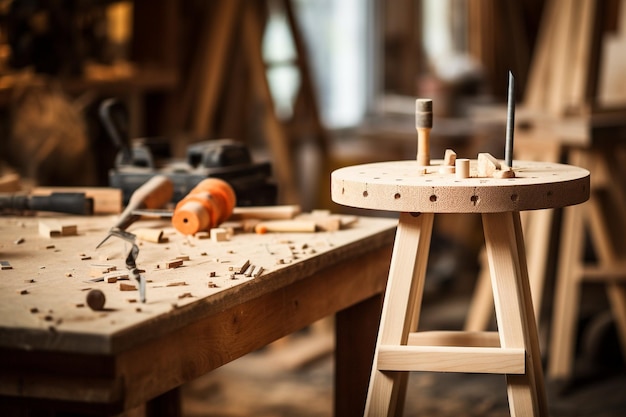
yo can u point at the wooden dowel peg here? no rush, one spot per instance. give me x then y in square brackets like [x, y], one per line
[423, 124]
[462, 168]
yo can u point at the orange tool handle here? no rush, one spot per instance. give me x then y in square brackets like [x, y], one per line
[206, 206]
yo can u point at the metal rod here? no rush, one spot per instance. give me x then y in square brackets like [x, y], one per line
[510, 122]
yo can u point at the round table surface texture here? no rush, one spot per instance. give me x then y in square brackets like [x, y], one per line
[404, 186]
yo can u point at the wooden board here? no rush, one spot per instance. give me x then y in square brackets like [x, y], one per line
[42, 298]
[400, 186]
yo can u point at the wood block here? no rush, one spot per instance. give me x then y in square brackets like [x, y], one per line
[127, 287]
[55, 228]
[240, 267]
[462, 166]
[487, 164]
[150, 235]
[175, 263]
[219, 234]
[449, 157]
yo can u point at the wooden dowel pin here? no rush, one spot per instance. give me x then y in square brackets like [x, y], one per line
[423, 124]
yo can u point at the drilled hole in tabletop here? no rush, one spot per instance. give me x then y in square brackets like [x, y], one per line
[474, 199]
[365, 193]
[549, 193]
[514, 197]
[396, 196]
[433, 198]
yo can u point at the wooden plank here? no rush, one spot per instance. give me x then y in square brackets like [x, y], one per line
[452, 359]
[454, 338]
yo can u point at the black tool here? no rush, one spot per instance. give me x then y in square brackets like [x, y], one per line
[60, 202]
[140, 159]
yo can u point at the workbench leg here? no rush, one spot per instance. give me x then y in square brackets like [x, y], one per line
[168, 404]
[356, 329]
[514, 310]
[403, 296]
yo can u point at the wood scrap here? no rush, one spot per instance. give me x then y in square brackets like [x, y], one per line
[55, 228]
[219, 234]
[240, 267]
[282, 212]
[449, 157]
[150, 235]
[127, 287]
[175, 263]
[295, 225]
[487, 164]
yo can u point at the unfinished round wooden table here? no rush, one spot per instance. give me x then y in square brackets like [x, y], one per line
[418, 193]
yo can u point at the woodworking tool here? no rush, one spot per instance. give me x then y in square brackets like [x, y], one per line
[423, 124]
[154, 194]
[139, 159]
[60, 202]
[510, 122]
[206, 206]
[131, 260]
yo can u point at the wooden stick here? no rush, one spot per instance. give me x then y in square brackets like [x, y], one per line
[423, 124]
[285, 226]
[266, 212]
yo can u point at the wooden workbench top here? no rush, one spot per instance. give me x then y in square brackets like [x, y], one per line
[44, 281]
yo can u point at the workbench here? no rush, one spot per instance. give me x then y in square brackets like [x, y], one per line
[56, 352]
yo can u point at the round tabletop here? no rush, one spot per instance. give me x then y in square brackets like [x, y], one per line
[404, 186]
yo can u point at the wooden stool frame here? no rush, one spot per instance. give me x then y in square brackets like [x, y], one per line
[514, 349]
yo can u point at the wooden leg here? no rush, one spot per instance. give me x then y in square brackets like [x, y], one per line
[514, 311]
[167, 404]
[356, 330]
[481, 307]
[537, 227]
[402, 297]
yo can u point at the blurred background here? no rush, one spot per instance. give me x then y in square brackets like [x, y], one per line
[310, 86]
